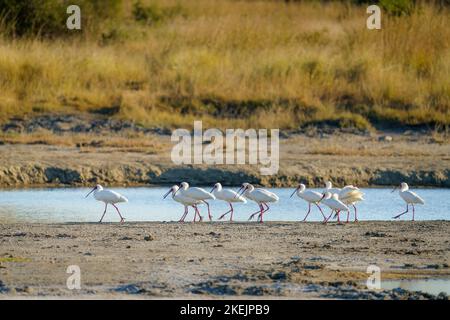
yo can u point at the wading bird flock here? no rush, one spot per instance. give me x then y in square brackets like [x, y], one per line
[337, 199]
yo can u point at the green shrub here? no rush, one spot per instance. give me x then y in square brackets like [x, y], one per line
[398, 7]
[48, 17]
[154, 14]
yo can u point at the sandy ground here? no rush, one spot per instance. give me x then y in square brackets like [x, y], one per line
[219, 260]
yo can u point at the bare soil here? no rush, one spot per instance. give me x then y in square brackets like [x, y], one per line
[344, 158]
[220, 260]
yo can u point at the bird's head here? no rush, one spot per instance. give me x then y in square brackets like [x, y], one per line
[328, 185]
[300, 187]
[184, 185]
[96, 188]
[217, 187]
[403, 187]
[173, 190]
[242, 189]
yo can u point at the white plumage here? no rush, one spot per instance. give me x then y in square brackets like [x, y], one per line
[350, 197]
[332, 201]
[196, 194]
[411, 198]
[186, 201]
[312, 197]
[228, 196]
[260, 196]
[108, 197]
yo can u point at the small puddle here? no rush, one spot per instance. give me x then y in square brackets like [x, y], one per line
[431, 286]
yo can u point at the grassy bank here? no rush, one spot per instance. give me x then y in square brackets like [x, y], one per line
[238, 64]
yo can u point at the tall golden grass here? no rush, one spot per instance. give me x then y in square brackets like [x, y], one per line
[241, 64]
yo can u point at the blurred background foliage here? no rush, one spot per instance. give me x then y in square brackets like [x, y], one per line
[231, 63]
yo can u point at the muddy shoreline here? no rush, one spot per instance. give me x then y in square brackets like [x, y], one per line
[220, 260]
[75, 150]
[46, 165]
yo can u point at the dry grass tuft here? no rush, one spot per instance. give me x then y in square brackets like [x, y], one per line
[240, 64]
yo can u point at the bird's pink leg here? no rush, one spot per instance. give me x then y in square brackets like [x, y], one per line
[262, 212]
[122, 219]
[398, 216]
[348, 216]
[253, 214]
[324, 217]
[338, 214]
[195, 213]
[184, 214]
[309, 210]
[356, 215]
[104, 212]
[326, 220]
[200, 218]
[209, 212]
[413, 211]
[231, 210]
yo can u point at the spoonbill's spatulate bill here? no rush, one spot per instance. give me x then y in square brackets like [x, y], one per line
[196, 194]
[187, 202]
[260, 196]
[312, 197]
[108, 197]
[228, 196]
[411, 198]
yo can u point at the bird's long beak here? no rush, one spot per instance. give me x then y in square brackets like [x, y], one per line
[168, 192]
[323, 196]
[242, 192]
[90, 192]
[237, 193]
[395, 188]
[212, 189]
[294, 192]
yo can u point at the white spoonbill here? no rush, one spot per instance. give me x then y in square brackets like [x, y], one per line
[260, 196]
[410, 198]
[184, 201]
[108, 197]
[332, 201]
[228, 196]
[350, 198]
[196, 194]
[312, 197]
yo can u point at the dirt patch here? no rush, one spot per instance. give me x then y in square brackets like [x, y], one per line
[288, 259]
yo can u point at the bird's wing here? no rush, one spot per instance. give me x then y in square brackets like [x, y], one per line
[199, 193]
[351, 194]
[346, 190]
[268, 194]
[231, 195]
[110, 196]
[415, 197]
[312, 195]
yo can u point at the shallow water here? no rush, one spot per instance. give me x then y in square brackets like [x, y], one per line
[432, 286]
[147, 204]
